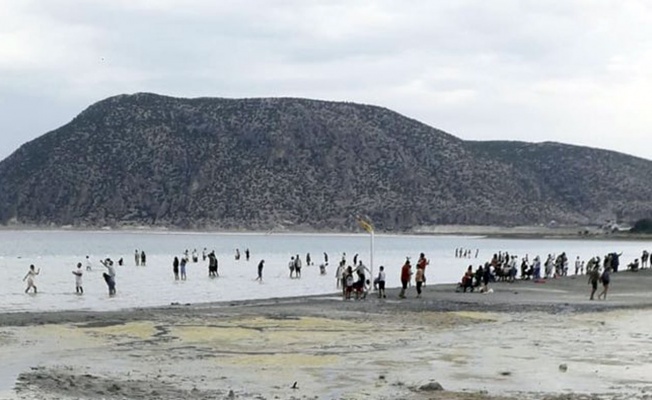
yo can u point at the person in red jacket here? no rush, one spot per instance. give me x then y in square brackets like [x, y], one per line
[406, 275]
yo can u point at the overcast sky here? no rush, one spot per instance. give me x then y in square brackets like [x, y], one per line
[556, 70]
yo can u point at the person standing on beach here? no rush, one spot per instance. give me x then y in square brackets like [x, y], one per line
[486, 277]
[594, 277]
[143, 258]
[247, 254]
[297, 266]
[89, 265]
[30, 276]
[338, 275]
[419, 279]
[380, 280]
[406, 274]
[325, 258]
[195, 258]
[175, 268]
[308, 261]
[421, 264]
[136, 257]
[261, 264]
[605, 278]
[203, 254]
[644, 258]
[109, 276]
[78, 279]
[578, 264]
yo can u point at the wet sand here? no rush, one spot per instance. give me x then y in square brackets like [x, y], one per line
[524, 341]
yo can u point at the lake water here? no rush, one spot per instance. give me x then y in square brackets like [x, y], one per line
[57, 252]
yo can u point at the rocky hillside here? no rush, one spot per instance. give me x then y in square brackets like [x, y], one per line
[146, 159]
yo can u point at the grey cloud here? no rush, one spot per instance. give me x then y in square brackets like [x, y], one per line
[525, 70]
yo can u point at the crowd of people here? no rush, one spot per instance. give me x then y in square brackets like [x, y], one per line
[354, 278]
[506, 267]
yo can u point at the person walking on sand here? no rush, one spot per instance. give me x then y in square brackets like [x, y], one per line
[406, 274]
[78, 279]
[261, 264]
[605, 278]
[175, 268]
[109, 276]
[30, 276]
[594, 277]
[136, 257]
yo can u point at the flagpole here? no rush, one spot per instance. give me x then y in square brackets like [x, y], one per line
[367, 226]
[371, 257]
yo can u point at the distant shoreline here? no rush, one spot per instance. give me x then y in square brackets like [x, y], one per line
[494, 232]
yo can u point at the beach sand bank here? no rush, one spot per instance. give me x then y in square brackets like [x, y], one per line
[524, 341]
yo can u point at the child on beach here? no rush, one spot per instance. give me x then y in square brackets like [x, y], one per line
[31, 275]
[78, 279]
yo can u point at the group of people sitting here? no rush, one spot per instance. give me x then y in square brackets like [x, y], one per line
[504, 267]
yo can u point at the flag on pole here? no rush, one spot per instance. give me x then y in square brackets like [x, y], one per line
[365, 224]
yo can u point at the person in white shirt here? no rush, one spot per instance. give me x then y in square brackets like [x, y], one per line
[109, 276]
[31, 275]
[78, 279]
[360, 271]
[578, 264]
[89, 264]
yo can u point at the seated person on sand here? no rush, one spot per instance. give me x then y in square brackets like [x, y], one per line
[633, 266]
[467, 280]
[479, 273]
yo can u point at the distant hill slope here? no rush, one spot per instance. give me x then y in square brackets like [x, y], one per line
[146, 159]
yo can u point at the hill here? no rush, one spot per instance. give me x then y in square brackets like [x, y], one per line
[262, 164]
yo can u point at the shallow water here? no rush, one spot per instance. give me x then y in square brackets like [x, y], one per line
[57, 252]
